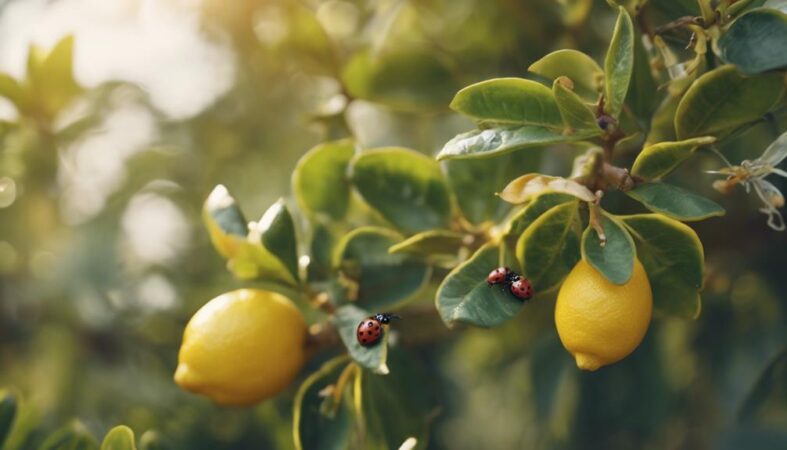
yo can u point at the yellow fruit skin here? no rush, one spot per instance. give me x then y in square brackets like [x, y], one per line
[242, 347]
[598, 321]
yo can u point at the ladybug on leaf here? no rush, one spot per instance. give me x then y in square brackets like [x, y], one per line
[370, 330]
[519, 286]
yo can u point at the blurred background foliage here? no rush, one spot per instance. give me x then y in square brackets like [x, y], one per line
[119, 117]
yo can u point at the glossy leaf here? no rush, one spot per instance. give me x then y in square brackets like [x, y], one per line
[465, 297]
[246, 257]
[528, 186]
[509, 101]
[277, 234]
[675, 202]
[673, 258]
[619, 64]
[537, 206]
[224, 220]
[402, 78]
[583, 71]
[253, 261]
[757, 41]
[614, 260]
[576, 115]
[429, 243]
[320, 180]
[549, 247]
[722, 99]
[406, 187]
[499, 141]
[73, 436]
[8, 407]
[119, 438]
[475, 182]
[374, 357]
[322, 419]
[658, 160]
[384, 280]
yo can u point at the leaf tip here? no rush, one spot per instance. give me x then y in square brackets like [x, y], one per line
[382, 369]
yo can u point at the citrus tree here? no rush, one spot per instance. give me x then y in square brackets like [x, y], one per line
[381, 226]
[567, 182]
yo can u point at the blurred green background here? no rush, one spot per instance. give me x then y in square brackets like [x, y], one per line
[106, 158]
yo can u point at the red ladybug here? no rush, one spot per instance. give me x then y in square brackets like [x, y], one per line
[522, 288]
[370, 330]
[501, 275]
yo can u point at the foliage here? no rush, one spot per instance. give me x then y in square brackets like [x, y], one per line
[406, 225]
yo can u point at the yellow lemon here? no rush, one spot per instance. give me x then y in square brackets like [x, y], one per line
[598, 321]
[242, 347]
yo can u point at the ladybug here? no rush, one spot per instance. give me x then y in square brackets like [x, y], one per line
[501, 275]
[370, 330]
[522, 288]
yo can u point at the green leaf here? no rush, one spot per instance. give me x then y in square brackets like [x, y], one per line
[643, 92]
[619, 64]
[537, 206]
[384, 280]
[322, 420]
[347, 319]
[510, 101]
[576, 115]
[320, 181]
[430, 243]
[406, 187]
[474, 183]
[615, 259]
[52, 76]
[662, 124]
[277, 234]
[549, 247]
[675, 202]
[320, 253]
[246, 257]
[73, 436]
[526, 187]
[8, 407]
[22, 432]
[658, 160]
[464, 295]
[673, 258]
[396, 408]
[224, 220]
[404, 79]
[722, 99]
[119, 438]
[499, 141]
[757, 41]
[12, 90]
[580, 68]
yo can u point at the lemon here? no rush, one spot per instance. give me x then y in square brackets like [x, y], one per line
[598, 321]
[242, 347]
